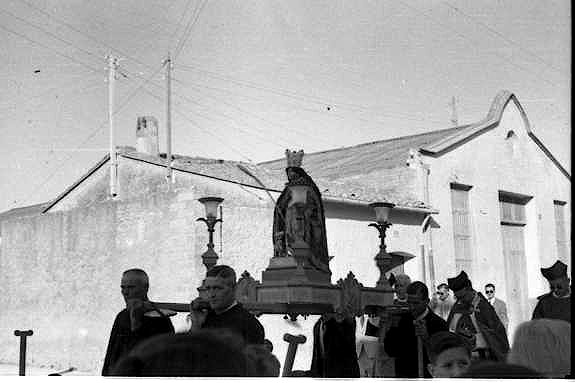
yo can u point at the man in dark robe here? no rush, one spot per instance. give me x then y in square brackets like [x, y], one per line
[131, 326]
[334, 354]
[557, 303]
[475, 319]
[225, 312]
[401, 341]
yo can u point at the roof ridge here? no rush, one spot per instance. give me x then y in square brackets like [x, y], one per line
[374, 142]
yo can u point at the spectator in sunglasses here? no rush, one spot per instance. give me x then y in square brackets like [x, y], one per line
[442, 301]
[498, 304]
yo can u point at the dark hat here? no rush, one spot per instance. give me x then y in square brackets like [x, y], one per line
[459, 282]
[558, 270]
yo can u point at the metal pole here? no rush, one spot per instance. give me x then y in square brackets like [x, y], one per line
[169, 118]
[23, 335]
[112, 63]
[419, 357]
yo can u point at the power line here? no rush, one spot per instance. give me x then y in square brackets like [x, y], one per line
[47, 32]
[465, 38]
[503, 37]
[89, 137]
[302, 98]
[202, 129]
[175, 33]
[188, 30]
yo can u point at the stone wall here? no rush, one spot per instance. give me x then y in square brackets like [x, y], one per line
[60, 272]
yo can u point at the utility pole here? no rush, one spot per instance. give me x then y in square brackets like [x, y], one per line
[453, 105]
[112, 66]
[168, 63]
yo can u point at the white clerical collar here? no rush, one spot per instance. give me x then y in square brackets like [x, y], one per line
[228, 308]
[564, 296]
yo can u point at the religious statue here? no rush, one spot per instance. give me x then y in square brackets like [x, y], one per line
[300, 222]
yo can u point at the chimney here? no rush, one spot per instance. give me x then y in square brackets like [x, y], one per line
[147, 135]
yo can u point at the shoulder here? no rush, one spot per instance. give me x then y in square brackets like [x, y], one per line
[122, 315]
[544, 296]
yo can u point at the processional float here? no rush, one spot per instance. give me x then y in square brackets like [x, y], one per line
[297, 280]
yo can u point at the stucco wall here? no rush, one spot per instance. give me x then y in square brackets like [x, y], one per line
[490, 163]
[60, 271]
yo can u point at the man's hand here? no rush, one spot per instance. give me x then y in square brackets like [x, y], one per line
[199, 309]
[136, 309]
[420, 329]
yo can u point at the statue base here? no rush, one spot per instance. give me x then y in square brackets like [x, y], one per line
[287, 270]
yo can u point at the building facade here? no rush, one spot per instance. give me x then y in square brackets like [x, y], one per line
[487, 198]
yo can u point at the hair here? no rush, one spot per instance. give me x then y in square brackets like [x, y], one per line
[490, 285]
[262, 362]
[445, 340]
[141, 273]
[501, 370]
[543, 345]
[212, 353]
[224, 272]
[418, 288]
[443, 286]
[402, 278]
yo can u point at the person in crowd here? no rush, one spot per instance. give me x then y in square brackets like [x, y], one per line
[475, 319]
[449, 355]
[203, 353]
[402, 341]
[367, 343]
[557, 303]
[499, 370]
[498, 305]
[131, 326]
[442, 301]
[224, 310]
[400, 285]
[263, 363]
[334, 354]
[543, 345]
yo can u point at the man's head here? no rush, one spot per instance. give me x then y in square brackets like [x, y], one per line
[401, 283]
[449, 354]
[490, 290]
[134, 285]
[417, 298]
[443, 291]
[220, 286]
[557, 277]
[462, 288]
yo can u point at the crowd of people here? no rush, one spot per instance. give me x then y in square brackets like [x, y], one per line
[455, 332]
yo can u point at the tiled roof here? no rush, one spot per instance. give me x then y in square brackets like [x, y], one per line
[261, 177]
[365, 158]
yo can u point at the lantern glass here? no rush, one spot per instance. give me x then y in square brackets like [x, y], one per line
[298, 194]
[211, 205]
[382, 210]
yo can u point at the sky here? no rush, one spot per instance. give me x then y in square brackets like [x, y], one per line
[254, 77]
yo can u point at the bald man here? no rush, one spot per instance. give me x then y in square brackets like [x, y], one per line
[131, 325]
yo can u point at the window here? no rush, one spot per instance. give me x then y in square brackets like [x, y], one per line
[461, 228]
[560, 237]
[512, 208]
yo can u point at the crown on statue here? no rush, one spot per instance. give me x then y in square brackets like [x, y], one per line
[294, 159]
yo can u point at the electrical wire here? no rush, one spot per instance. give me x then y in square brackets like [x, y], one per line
[188, 30]
[503, 37]
[457, 33]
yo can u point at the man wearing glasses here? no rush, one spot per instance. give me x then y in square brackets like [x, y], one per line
[557, 303]
[498, 305]
[442, 301]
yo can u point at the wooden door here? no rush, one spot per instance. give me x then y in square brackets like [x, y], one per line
[515, 275]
